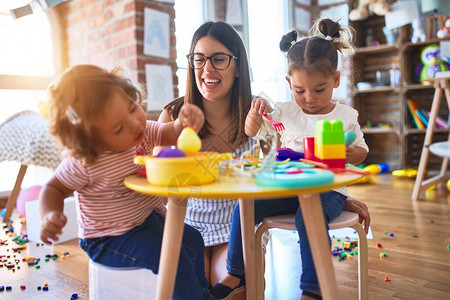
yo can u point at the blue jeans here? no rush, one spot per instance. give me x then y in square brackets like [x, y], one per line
[141, 248]
[332, 205]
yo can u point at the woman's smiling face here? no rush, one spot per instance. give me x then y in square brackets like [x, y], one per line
[214, 84]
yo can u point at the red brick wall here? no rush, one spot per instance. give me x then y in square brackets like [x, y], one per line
[110, 33]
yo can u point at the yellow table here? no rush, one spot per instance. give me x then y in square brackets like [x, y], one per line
[246, 189]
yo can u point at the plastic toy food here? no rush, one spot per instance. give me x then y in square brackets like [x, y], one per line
[171, 152]
[188, 141]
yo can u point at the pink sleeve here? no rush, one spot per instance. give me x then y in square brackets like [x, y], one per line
[72, 174]
[153, 132]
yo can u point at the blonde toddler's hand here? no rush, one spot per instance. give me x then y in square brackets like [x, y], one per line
[192, 116]
[260, 106]
[52, 225]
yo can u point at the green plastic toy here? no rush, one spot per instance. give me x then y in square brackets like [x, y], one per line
[432, 62]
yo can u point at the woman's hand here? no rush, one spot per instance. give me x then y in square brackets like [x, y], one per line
[192, 116]
[52, 225]
[361, 209]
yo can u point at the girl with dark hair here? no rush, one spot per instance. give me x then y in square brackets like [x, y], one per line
[312, 75]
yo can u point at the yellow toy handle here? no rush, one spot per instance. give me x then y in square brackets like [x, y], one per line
[139, 160]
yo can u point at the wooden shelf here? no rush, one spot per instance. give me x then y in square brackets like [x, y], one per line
[387, 105]
[417, 86]
[425, 43]
[376, 130]
[376, 49]
[420, 131]
[377, 90]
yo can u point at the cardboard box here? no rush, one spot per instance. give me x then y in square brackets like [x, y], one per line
[69, 232]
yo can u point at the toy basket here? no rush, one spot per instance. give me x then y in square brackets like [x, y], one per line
[195, 169]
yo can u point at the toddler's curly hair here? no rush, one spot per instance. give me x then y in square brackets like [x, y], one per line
[76, 98]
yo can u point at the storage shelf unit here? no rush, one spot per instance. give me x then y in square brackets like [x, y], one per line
[399, 145]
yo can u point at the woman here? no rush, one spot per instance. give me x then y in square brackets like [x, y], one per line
[218, 81]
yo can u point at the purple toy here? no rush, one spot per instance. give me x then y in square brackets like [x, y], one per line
[285, 153]
[171, 152]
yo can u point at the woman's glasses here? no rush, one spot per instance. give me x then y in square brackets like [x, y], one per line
[219, 61]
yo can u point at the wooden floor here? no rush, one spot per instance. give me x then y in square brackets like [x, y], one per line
[419, 267]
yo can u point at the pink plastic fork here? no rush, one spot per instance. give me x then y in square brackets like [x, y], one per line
[277, 125]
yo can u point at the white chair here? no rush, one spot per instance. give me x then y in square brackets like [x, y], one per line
[120, 283]
[345, 219]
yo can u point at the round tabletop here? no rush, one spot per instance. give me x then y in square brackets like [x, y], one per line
[229, 186]
[441, 149]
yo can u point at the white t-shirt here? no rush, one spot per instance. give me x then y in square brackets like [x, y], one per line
[299, 125]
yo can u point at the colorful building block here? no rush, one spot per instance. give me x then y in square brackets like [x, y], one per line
[329, 143]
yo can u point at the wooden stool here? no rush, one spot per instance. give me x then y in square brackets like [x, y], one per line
[440, 85]
[287, 222]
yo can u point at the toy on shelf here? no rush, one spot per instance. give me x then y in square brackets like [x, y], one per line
[391, 35]
[366, 8]
[444, 32]
[431, 63]
[418, 34]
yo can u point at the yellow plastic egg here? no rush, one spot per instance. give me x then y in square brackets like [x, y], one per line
[188, 141]
[373, 169]
[448, 185]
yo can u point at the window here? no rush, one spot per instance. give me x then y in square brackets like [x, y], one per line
[189, 15]
[267, 23]
[29, 59]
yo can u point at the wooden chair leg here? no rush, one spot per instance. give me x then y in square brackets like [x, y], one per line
[262, 228]
[11, 203]
[363, 274]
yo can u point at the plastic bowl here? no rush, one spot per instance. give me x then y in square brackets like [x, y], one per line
[195, 169]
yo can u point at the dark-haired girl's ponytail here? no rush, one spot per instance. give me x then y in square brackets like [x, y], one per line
[287, 39]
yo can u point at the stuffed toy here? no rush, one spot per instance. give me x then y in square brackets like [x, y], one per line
[431, 63]
[444, 32]
[418, 34]
[366, 8]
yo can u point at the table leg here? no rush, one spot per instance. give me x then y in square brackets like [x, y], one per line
[247, 212]
[171, 245]
[319, 243]
[11, 203]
